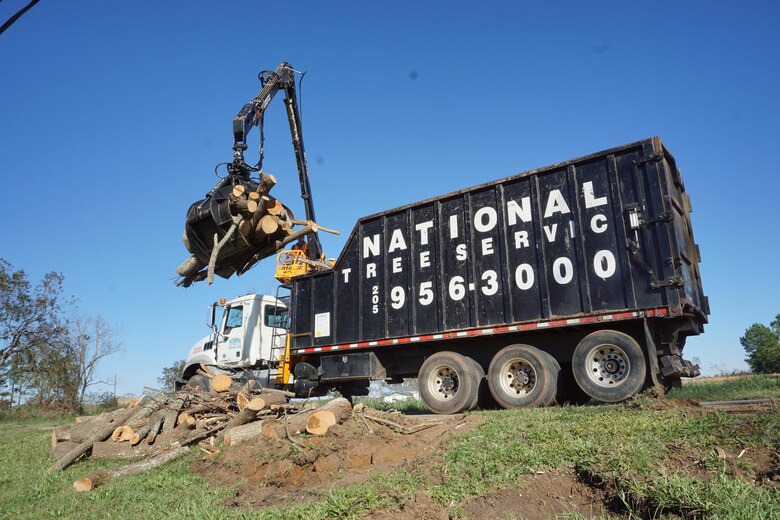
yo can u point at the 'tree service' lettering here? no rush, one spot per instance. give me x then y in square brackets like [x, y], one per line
[485, 219]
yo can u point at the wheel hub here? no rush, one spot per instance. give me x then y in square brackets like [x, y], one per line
[518, 377]
[608, 365]
[443, 383]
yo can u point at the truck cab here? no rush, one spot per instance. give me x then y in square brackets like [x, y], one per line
[250, 335]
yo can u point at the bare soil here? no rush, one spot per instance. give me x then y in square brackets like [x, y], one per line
[543, 495]
[273, 472]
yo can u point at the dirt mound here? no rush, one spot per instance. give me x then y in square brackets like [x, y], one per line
[275, 469]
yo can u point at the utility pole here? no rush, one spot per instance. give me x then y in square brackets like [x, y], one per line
[114, 385]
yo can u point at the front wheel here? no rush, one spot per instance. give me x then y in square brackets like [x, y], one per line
[447, 383]
[609, 366]
[198, 383]
[522, 376]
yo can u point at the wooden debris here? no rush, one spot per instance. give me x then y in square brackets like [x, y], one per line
[243, 433]
[333, 412]
[221, 383]
[97, 478]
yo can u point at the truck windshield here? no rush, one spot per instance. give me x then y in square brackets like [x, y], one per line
[275, 316]
[235, 316]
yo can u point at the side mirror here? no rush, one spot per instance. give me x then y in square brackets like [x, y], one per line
[212, 317]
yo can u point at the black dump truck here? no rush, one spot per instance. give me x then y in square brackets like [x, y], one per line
[575, 281]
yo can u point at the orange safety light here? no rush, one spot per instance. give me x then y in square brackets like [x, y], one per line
[222, 301]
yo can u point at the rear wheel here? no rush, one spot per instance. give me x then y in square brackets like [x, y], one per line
[522, 376]
[609, 366]
[447, 383]
[478, 374]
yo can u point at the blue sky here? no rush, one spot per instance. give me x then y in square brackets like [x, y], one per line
[113, 115]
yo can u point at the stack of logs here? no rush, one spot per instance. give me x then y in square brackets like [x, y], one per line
[264, 223]
[161, 428]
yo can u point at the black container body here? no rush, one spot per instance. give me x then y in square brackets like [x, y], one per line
[609, 232]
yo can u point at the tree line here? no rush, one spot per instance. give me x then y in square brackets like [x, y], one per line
[762, 345]
[48, 356]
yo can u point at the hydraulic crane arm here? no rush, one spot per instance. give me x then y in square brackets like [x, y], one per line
[252, 114]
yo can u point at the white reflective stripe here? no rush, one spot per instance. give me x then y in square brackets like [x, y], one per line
[487, 331]
[607, 317]
[461, 334]
[513, 327]
[543, 324]
[372, 343]
[353, 345]
[438, 336]
[572, 322]
[317, 349]
[416, 338]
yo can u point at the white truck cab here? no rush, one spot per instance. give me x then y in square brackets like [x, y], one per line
[251, 335]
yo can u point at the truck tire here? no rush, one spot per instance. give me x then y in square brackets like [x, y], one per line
[198, 382]
[609, 366]
[478, 373]
[555, 373]
[569, 392]
[522, 376]
[447, 383]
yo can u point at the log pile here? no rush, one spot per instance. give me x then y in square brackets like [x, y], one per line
[161, 428]
[264, 224]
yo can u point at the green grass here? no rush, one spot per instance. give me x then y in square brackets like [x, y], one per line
[750, 387]
[631, 448]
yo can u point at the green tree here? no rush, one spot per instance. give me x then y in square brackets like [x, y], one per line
[29, 315]
[170, 374]
[762, 345]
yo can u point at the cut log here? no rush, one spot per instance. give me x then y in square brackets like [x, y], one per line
[116, 433]
[276, 391]
[274, 207]
[238, 190]
[207, 371]
[267, 181]
[112, 451]
[278, 428]
[60, 434]
[221, 382]
[186, 419]
[89, 426]
[97, 478]
[318, 423]
[62, 448]
[244, 416]
[171, 413]
[267, 226]
[127, 434]
[83, 448]
[156, 423]
[189, 267]
[142, 432]
[81, 418]
[265, 400]
[297, 423]
[262, 204]
[253, 195]
[243, 396]
[320, 228]
[245, 432]
[332, 412]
